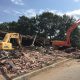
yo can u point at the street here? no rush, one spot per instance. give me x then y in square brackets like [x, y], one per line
[67, 71]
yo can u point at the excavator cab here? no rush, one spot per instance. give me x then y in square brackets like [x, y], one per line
[5, 44]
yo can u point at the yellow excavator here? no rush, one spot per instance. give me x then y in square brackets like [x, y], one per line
[5, 44]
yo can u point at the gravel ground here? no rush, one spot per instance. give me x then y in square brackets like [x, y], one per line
[66, 71]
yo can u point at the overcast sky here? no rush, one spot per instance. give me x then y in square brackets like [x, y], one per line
[11, 9]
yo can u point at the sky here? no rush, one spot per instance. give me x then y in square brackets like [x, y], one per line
[10, 10]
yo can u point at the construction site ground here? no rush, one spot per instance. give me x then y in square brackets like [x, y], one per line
[30, 59]
[67, 71]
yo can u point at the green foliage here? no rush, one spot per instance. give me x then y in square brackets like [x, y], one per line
[4, 26]
[44, 25]
[23, 25]
[12, 26]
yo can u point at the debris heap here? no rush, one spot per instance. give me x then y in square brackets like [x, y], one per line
[29, 60]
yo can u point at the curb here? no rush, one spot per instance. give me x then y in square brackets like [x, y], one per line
[31, 74]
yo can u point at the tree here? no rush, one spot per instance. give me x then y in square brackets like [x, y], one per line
[12, 26]
[33, 26]
[64, 25]
[4, 26]
[46, 23]
[23, 25]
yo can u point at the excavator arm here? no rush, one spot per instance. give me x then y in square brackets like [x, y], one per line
[70, 30]
[67, 42]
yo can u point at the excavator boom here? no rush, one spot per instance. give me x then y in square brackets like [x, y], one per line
[67, 42]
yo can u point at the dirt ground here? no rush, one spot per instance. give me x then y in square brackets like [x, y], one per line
[1, 77]
[66, 71]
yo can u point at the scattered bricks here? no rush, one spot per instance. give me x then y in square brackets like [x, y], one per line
[2, 61]
[11, 64]
[31, 60]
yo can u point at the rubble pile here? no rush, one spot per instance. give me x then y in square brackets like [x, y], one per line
[74, 54]
[30, 60]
